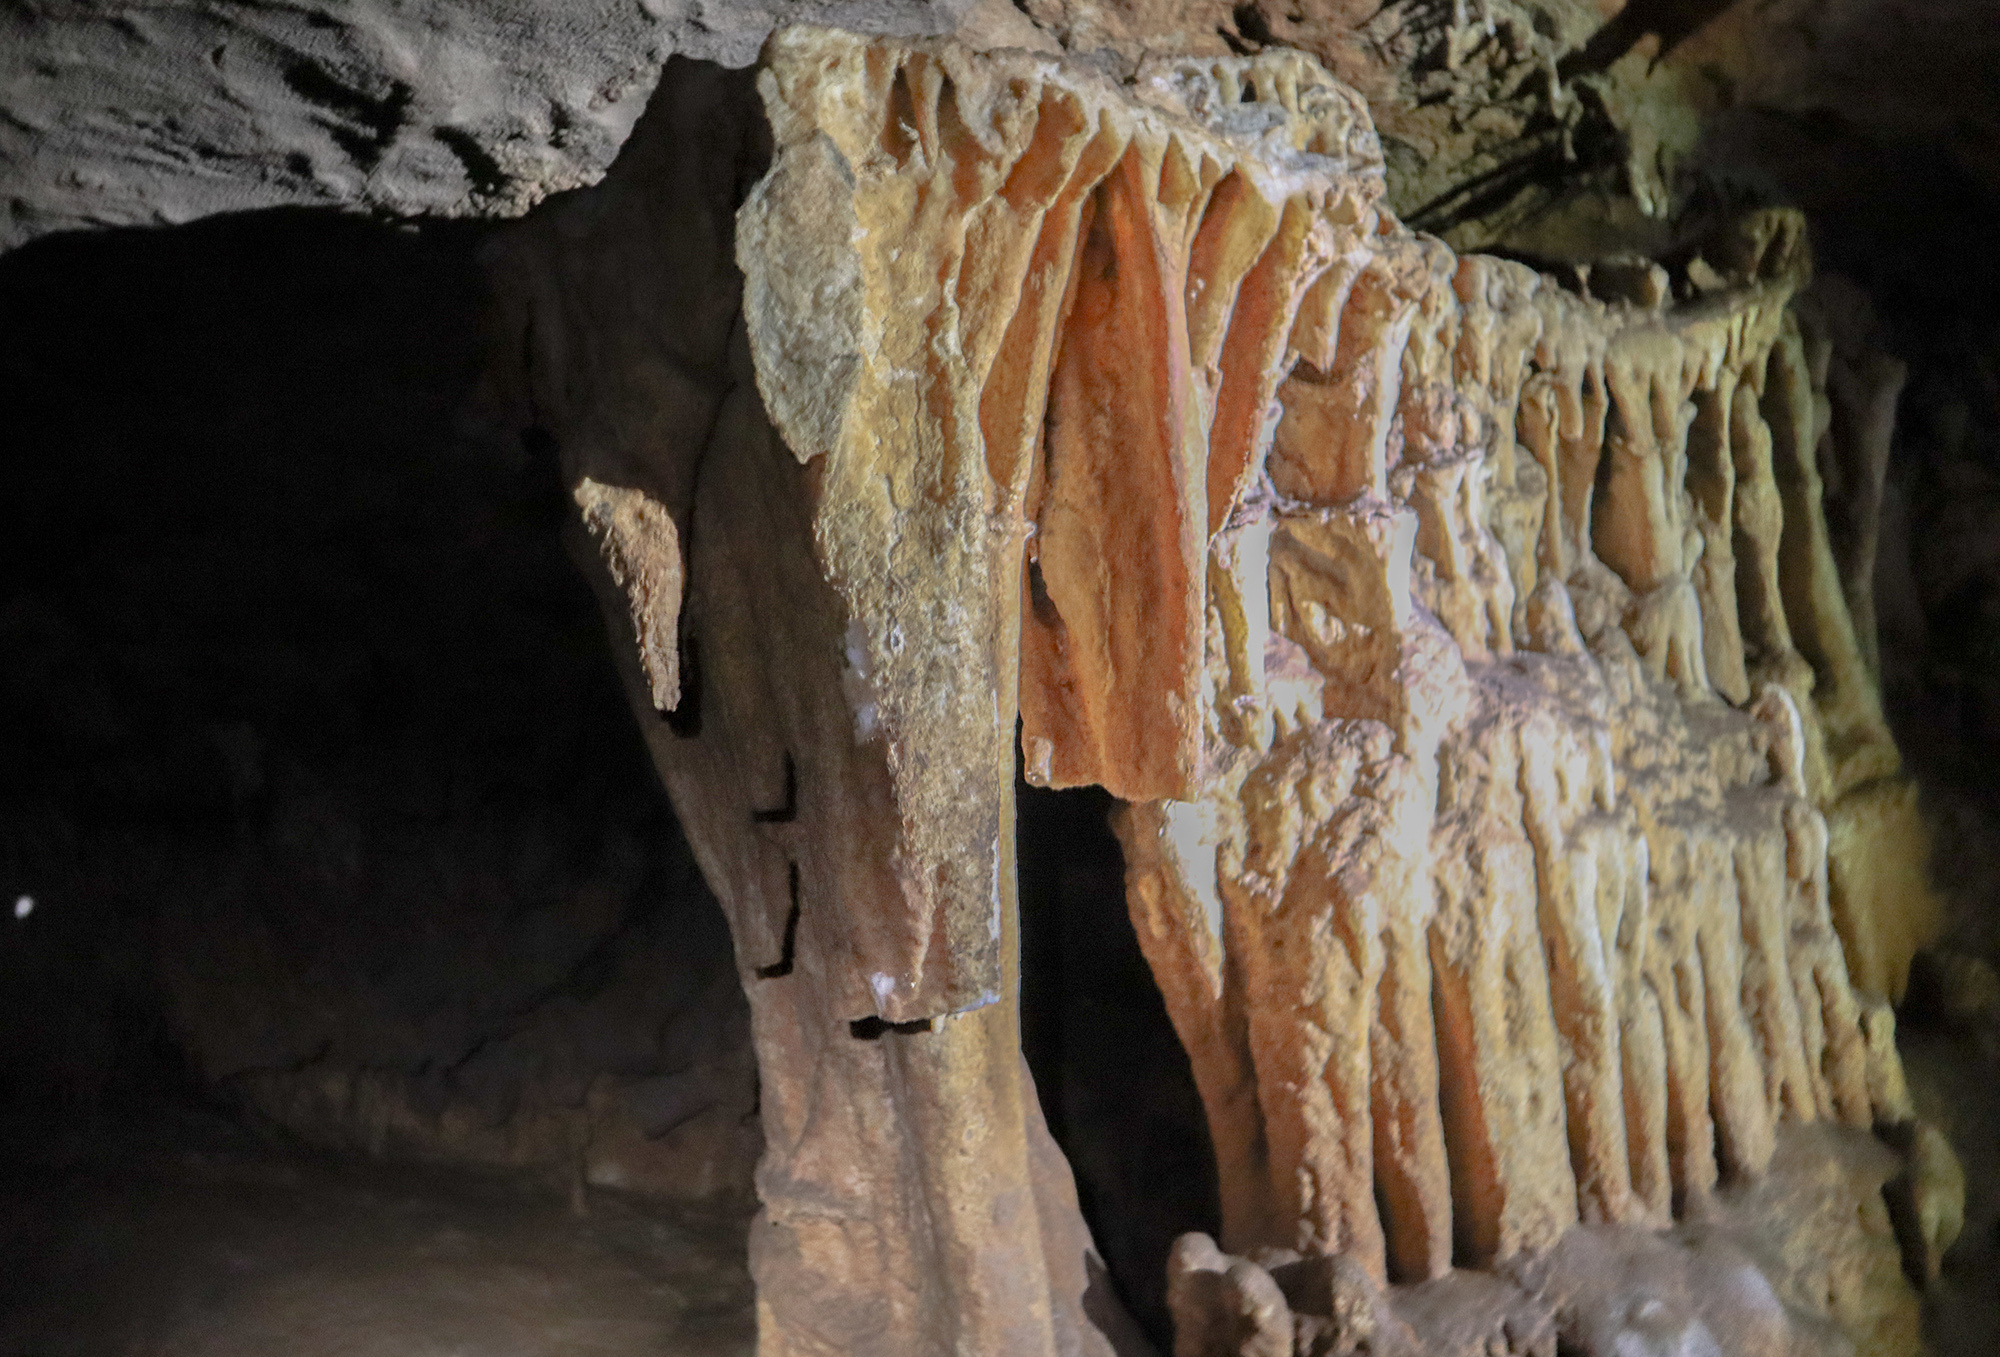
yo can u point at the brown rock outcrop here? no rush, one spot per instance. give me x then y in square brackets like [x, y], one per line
[1575, 899]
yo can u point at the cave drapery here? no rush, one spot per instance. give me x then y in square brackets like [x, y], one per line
[1503, 768]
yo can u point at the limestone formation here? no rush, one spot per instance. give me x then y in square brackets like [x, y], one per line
[1471, 652]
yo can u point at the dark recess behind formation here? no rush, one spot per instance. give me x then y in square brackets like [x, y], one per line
[1115, 1083]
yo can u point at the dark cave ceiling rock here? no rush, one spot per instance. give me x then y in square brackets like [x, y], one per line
[124, 114]
[1500, 118]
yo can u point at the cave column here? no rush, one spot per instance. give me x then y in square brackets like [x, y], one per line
[800, 503]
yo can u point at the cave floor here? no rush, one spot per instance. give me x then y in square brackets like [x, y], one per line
[183, 1235]
[218, 1245]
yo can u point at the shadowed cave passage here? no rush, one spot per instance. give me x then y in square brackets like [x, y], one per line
[1113, 1078]
[328, 842]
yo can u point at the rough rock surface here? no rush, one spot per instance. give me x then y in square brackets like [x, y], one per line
[1496, 530]
[1488, 660]
[1568, 128]
[121, 114]
[1803, 1262]
[1532, 827]
[1953, 1052]
[1564, 127]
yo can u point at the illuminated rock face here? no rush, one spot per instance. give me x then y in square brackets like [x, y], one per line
[1498, 749]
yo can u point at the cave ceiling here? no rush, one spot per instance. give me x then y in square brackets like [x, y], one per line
[151, 114]
[1565, 128]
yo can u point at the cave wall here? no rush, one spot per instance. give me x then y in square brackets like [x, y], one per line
[1566, 126]
[318, 776]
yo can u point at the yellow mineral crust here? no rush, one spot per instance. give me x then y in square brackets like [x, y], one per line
[1499, 749]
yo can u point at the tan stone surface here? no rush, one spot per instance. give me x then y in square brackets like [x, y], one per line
[1581, 907]
[642, 550]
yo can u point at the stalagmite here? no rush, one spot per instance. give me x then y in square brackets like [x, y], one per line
[1468, 652]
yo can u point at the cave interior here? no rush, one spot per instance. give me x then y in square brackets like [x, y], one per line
[362, 990]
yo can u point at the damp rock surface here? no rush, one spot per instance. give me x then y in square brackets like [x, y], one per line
[1484, 655]
[1511, 821]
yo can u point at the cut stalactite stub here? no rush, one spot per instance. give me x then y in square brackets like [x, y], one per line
[642, 549]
